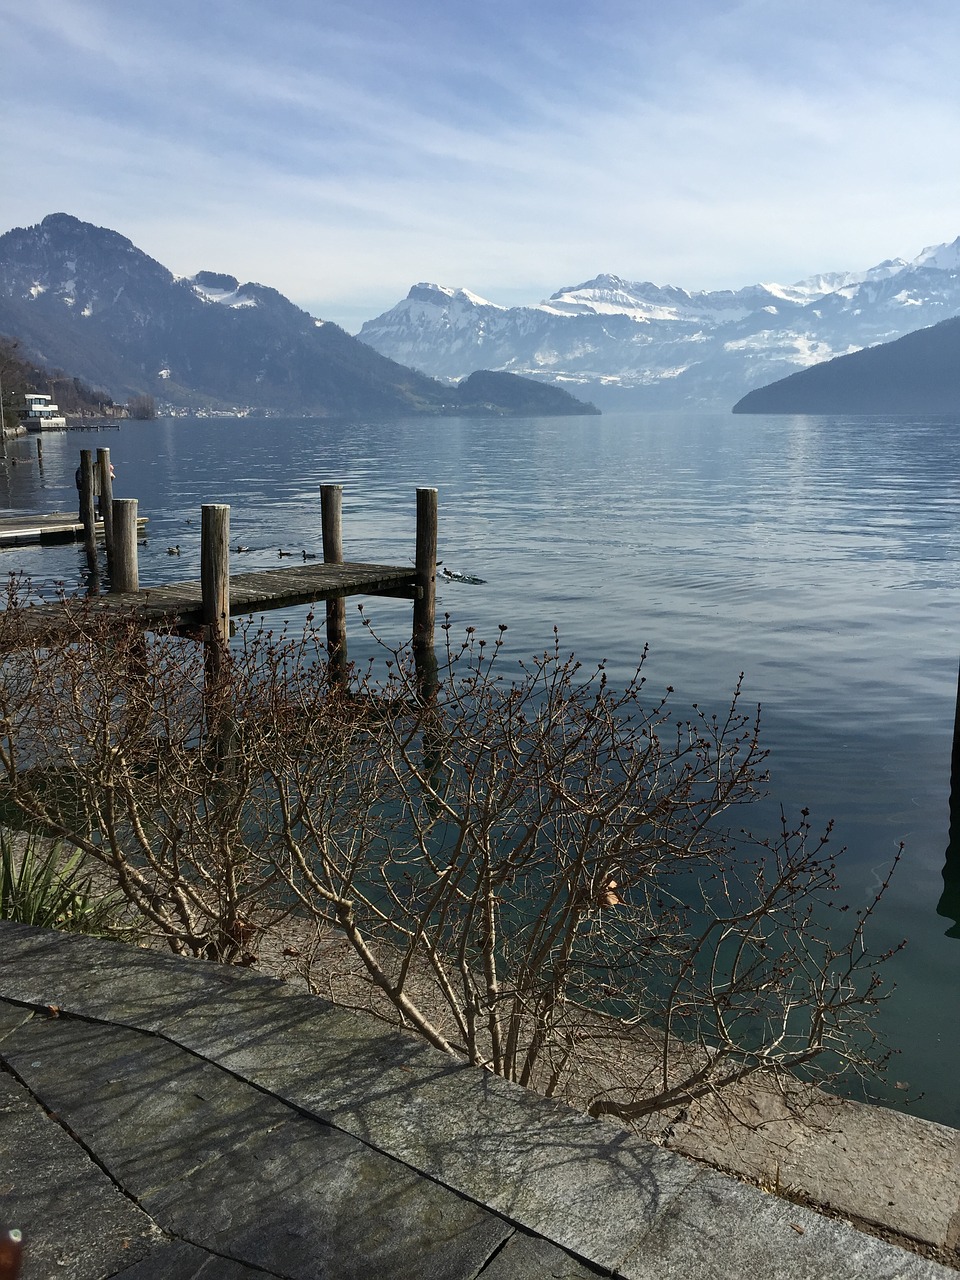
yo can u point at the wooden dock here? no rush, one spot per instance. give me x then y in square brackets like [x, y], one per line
[55, 526]
[179, 605]
[202, 608]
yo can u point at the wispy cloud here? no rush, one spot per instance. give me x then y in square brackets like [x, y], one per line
[343, 151]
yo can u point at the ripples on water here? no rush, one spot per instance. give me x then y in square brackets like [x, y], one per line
[819, 555]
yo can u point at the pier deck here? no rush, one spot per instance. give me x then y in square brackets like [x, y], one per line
[54, 526]
[180, 604]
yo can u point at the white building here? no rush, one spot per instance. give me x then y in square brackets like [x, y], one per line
[40, 414]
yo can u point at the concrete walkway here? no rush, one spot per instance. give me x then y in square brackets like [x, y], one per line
[163, 1119]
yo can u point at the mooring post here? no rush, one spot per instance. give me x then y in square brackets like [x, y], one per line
[88, 516]
[215, 580]
[425, 601]
[105, 488]
[125, 568]
[215, 603]
[331, 522]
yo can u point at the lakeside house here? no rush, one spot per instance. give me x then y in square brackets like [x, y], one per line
[39, 413]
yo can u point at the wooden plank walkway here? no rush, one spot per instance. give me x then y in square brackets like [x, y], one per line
[54, 526]
[199, 608]
[179, 604]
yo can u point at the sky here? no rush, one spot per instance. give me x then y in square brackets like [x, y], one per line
[344, 150]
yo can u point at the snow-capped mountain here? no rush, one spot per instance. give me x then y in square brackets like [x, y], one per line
[86, 299]
[622, 341]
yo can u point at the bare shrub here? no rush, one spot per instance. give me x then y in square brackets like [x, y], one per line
[538, 872]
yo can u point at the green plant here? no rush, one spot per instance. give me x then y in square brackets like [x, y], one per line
[42, 886]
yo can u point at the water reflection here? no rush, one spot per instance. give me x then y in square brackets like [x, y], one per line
[820, 555]
[949, 904]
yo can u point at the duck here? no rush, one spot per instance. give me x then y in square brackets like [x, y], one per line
[308, 555]
[281, 553]
[240, 548]
[173, 551]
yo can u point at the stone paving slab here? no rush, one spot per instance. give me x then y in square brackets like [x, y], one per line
[528, 1257]
[583, 1184]
[75, 1221]
[12, 1017]
[180, 1261]
[718, 1231]
[219, 1163]
[472, 1132]
[129, 985]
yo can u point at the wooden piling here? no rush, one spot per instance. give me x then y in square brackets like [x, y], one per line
[331, 521]
[125, 571]
[215, 574]
[88, 515]
[215, 598]
[425, 601]
[105, 489]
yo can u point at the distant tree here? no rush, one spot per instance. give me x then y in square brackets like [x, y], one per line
[12, 382]
[142, 407]
[18, 375]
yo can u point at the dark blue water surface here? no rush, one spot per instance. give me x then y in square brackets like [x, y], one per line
[821, 556]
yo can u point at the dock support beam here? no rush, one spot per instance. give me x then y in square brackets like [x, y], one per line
[105, 489]
[331, 519]
[425, 602]
[215, 608]
[125, 572]
[215, 584]
[88, 515]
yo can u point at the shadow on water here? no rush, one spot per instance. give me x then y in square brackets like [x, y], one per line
[949, 904]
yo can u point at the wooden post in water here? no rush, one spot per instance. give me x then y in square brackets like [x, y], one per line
[215, 598]
[425, 602]
[215, 582]
[125, 572]
[88, 516]
[331, 521]
[105, 489]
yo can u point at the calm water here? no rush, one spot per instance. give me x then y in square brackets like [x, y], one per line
[821, 556]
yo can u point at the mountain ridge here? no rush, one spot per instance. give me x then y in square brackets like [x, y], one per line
[661, 346]
[916, 374]
[87, 299]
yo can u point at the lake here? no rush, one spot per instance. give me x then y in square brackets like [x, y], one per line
[818, 555]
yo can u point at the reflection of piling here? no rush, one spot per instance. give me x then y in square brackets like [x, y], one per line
[331, 519]
[949, 904]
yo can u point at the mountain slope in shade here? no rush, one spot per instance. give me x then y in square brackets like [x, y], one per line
[505, 393]
[916, 374]
[87, 299]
